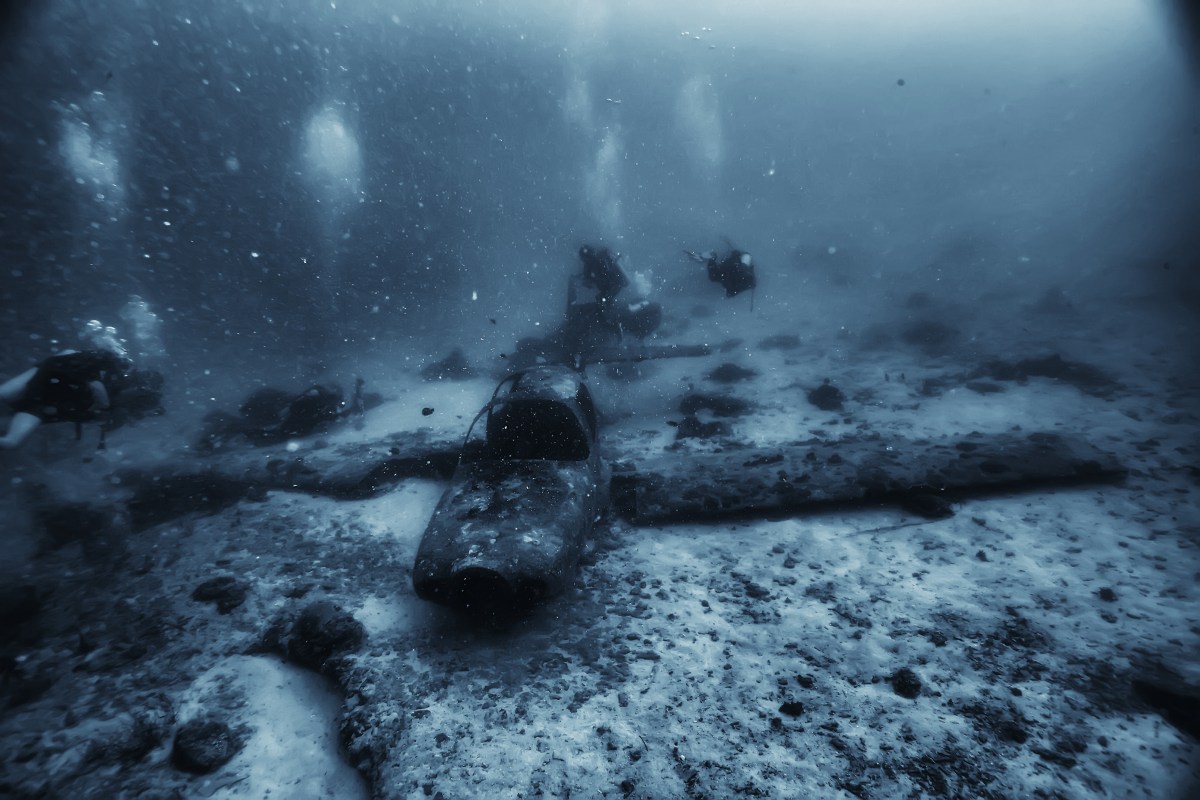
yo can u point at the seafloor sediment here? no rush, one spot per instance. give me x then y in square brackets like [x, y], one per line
[1036, 644]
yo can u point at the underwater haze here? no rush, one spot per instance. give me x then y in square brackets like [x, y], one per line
[299, 181]
[869, 468]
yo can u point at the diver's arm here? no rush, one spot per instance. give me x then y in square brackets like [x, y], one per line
[13, 388]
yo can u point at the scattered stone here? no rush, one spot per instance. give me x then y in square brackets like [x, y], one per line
[827, 397]
[936, 638]
[792, 708]
[323, 631]
[906, 683]
[755, 591]
[204, 745]
[226, 591]
[731, 373]
[1107, 594]
[426, 411]
[130, 736]
[1084, 377]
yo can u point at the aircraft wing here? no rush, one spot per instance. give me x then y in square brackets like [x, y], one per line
[788, 480]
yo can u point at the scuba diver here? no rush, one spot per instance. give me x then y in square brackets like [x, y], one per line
[735, 272]
[595, 322]
[79, 386]
[602, 273]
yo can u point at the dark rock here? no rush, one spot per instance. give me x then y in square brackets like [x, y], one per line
[226, 591]
[426, 411]
[1011, 730]
[827, 397]
[1107, 594]
[780, 341]
[323, 631]
[721, 405]
[792, 708]
[906, 683]
[204, 745]
[1085, 377]
[129, 737]
[692, 428]
[1003, 722]
[756, 591]
[1063, 754]
[731, 373]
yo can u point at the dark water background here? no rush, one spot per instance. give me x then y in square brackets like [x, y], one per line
[298, 184]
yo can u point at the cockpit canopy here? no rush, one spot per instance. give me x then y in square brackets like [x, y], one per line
[541, 429]
[542, 413]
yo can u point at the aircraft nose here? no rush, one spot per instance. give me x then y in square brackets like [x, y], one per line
[483, 592]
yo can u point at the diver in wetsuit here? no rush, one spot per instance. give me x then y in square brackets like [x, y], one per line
[602, 273]
[735, 272]
[76, 387]
[591, 314]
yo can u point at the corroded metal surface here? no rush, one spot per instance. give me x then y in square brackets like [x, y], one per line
[786, 479]
[506, 531]
[510, 528]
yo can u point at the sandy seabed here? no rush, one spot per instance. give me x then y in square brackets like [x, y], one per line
[1017, 649]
